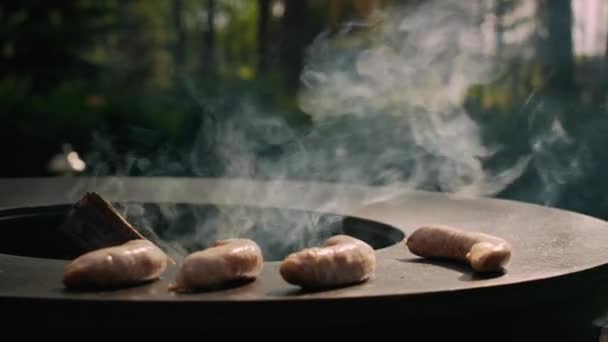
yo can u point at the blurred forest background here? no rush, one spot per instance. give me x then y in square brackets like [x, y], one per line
[131, 87]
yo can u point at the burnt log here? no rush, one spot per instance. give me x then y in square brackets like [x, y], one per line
[93, 223]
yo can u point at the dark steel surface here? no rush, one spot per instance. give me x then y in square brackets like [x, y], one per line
[554, 251]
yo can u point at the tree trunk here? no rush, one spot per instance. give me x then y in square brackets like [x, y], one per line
[558, 53]
[295, 39]
[208, 55]
[264, 12]
[180, 43]
[499, 11]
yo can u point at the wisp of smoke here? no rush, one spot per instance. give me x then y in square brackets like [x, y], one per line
[386, 106]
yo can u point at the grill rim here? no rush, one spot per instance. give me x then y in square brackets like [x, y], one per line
[526, 283]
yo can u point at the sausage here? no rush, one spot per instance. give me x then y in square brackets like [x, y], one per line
[131, 263]
[226, 261]
[483, 252]
[341, 260]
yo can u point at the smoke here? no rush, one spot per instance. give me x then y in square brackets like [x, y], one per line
[385, 98]
[557, 157]
[401, 84]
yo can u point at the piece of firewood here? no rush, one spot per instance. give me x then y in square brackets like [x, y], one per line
[93, 223]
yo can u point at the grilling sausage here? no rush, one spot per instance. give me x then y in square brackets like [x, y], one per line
[131, 263]
[226, 261]
[483, 252]
[341, 260]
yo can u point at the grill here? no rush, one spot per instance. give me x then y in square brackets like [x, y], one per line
[553, 284]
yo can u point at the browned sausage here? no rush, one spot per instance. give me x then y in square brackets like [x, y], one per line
[131, 263]
[483, 252]
[226, 261]
[341, 260]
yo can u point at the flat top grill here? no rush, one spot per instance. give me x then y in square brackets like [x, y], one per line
[549, 245]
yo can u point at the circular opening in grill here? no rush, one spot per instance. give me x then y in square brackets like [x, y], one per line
[185, 228]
